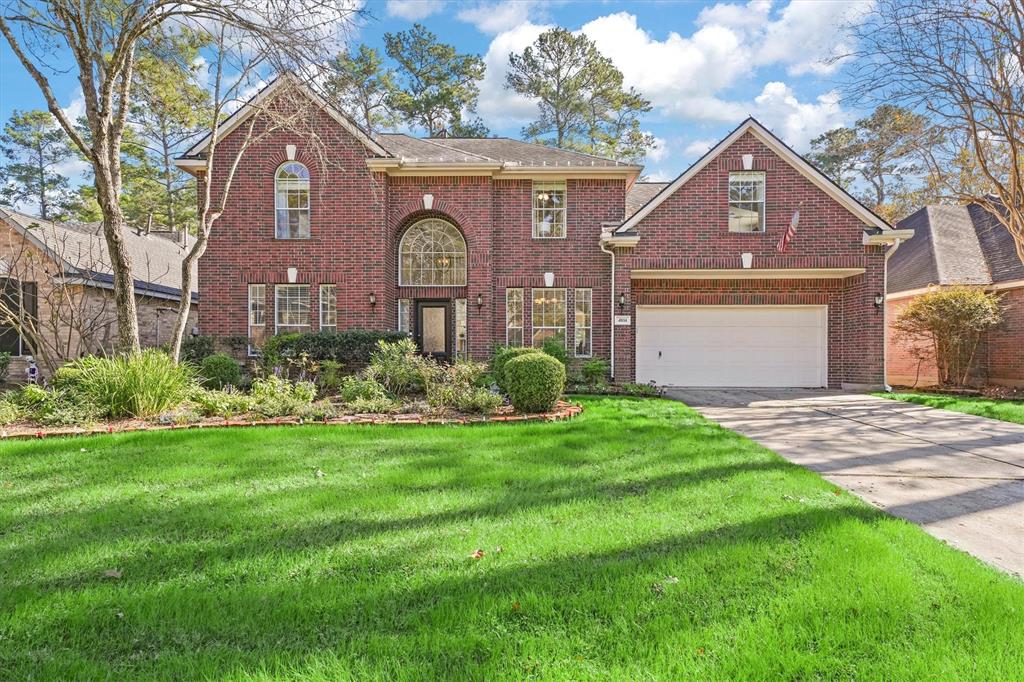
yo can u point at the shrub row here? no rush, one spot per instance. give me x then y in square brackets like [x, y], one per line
[351, 348]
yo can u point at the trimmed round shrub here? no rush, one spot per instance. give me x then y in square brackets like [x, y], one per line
[502, 356]
[534, 381]
[219, 370]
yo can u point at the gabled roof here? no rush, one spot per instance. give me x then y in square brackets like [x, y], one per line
[497, 149]
[80, 251]
[765, 136]
[954, 245]
[252, 106]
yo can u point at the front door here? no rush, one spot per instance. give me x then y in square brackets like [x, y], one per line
[433, 329]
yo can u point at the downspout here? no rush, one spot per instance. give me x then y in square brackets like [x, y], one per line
[885, 315]
[611, 252]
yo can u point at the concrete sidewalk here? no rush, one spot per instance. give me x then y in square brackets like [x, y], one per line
[959, 476]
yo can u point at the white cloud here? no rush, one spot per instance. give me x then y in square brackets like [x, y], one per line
[413, 10]
[496, 17]
[748, 18]
[76, 108]
[810, 37]
[500, 107]
[659, 152]
[698, 147]
[679, 75]
[794, 121]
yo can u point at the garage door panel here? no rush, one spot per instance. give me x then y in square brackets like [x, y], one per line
[731, 345]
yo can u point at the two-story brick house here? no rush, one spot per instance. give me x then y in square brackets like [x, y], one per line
[469, 243]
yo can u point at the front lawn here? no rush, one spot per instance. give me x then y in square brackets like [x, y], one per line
[1005, 410]
[637, 542]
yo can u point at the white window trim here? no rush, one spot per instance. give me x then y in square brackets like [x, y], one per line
[551, 184]
[309, 202]
[576, 327]
[321, 302]
[277, 303]
[252, 350]
[522, 315]
[764, 200]
[404, 323]
[565, 316]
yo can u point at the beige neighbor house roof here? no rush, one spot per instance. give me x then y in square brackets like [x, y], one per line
[81, 251]
[954, 245]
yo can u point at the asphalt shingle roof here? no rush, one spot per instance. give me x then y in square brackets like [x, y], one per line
[156, 259]
[487, 149]
[953, 245]
[640, 193]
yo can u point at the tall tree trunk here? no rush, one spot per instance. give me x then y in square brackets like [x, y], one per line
[107, 182]
[172, 223]
[44, 209]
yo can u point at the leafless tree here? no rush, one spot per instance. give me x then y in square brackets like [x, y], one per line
[235, 80]
[962, 62]
[103, 39]
[56, 298]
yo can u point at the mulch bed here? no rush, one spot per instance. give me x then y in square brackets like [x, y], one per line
[563, 410]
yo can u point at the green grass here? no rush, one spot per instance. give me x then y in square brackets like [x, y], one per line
[1004, 410]
[638, 542]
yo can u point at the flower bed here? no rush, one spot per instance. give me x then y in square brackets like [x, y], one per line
[562, 410]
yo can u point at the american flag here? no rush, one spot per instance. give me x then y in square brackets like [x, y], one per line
[790, 232]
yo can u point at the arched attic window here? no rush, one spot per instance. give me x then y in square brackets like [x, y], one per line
[291, 191]
[432, 253]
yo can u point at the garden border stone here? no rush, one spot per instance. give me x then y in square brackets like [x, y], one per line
[563, 411]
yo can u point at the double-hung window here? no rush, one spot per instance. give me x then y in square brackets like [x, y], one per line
[548, 210]
[584, 322]
[548, 315]
[513, 317]
[257, 316]
[291, 199]
[291, 308]
[746, 201]
[328, 306]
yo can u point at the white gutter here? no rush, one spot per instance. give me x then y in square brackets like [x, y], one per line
[885, 315]
[611, 252]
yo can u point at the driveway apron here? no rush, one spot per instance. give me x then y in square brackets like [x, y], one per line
[959, 476]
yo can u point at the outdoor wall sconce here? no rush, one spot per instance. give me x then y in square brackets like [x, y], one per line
[879, 300]
[622, 302]
[195, 332]
[479, 301]
[373, 299]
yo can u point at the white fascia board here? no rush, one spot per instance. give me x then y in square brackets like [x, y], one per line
[784, 152]
[243, 113]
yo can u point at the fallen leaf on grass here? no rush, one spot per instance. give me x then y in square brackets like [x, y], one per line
[498, 550]
[318, 473]
[479, 554]
[516, 606]
[112, 573]
[671, 580]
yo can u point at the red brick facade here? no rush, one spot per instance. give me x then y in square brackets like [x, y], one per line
[1000, 359]
[689, 230]
[358, 218]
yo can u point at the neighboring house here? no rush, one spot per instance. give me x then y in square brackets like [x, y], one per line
[58, 276]
[470, 243]
[959, 245]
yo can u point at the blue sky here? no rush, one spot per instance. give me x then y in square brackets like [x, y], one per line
[704, 66]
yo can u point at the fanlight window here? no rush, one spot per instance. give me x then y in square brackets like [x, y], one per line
[292, 201]
[432, 253]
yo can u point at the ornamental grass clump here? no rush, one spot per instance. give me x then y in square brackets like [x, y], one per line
[534, 382]
[139, 385]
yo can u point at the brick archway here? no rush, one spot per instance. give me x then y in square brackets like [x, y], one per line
[428, 207]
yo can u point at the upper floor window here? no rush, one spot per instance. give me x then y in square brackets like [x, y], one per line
[432, 253]
[746, 201]
[548, 210]
[292, 201]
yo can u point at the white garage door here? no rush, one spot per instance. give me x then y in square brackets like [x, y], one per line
[732, 345]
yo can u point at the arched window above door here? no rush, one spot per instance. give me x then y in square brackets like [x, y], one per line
[432, 253]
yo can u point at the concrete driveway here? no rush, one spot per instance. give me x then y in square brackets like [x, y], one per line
[960, 477]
